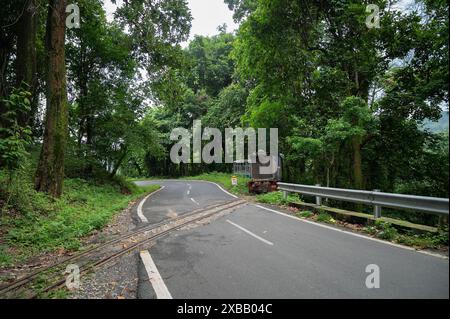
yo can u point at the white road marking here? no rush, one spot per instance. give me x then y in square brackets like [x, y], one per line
[189, 189]
[139, 209]
[250, 233]
[201, 181]
[195, 201]
[220, 187]
[353, 234]
[155, 278]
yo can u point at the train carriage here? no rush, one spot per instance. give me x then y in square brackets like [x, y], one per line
[263, 176]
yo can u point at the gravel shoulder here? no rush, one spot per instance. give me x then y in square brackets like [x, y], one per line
[118, 279]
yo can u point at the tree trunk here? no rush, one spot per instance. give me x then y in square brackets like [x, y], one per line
[50, 172]
[6, 48]
[119, 163]
[357, 163]
[138, 167]
[26, 56]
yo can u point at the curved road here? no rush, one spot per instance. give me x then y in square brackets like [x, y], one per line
[255, 252]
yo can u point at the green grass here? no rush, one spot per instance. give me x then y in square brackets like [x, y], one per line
[224, 180]
[5, 258]
[325, 218]
[141, 179]
[33, 223]
[276, 198]
[305, 214]
[386, 231]
[382, 230]
[423, 240]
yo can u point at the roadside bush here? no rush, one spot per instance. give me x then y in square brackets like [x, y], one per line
[382, 230]
[386, 231]
[32, 222]
[92, 172]
[325, 218]
[276, 198]
[17, 195]
[305, 214]
[125, 186]
[14, 139]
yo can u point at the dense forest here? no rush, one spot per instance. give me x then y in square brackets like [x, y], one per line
[100, 99]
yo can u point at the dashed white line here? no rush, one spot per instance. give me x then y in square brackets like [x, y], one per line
[139, 209]
[189, 189]
[250, 233]
[161, 290]
[353, 234]
[195, 201]
[220, 187]
[201, 181]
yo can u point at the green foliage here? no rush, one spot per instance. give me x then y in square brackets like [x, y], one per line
[226, 111]
[382, 230]
[324, 217]
[386, 231]
[269, 114]
[276, 198]
[356, 115]
[421, 241]
[5, 258]
[241, 8]
[18, 194]
[201, 89]
[108, 121]
[212, 67]
[14, 139]
[305, 214]
[348, 101]
[36, 223]
[430, 169]
[156, 29]
[316, 73]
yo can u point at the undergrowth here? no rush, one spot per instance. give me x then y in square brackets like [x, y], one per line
[32, 222]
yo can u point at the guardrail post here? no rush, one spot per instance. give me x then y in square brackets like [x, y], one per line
[376, 208]
[285, 195]
[318, 198]
[443, 222]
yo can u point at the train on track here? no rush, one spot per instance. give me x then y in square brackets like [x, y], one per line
[264, 177]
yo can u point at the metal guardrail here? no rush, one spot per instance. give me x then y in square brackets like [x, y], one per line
[375, 198]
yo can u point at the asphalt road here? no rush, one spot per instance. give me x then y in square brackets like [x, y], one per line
[257, 253]
[178, 198]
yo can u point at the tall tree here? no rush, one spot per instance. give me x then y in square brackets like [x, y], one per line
[50, 171]
[26, 53]
[10, 13]
[241, 8]
[212, 67]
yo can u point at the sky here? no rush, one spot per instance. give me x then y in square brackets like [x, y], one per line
[207, 16]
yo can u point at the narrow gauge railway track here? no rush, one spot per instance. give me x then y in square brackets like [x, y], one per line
[104, 253]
